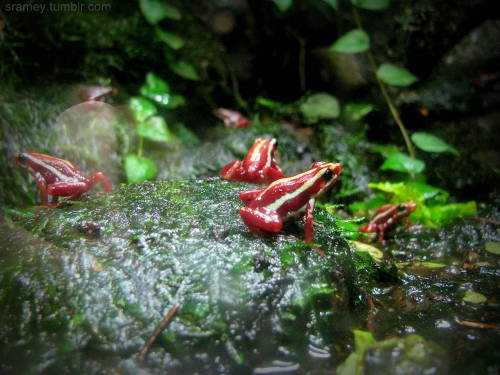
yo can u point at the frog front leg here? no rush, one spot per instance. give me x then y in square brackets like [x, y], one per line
[100, 177]
[248, 196]
[42, 185]
[261, 220]
[308, 218]
[232, 171]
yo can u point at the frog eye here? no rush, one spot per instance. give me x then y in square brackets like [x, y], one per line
[401, 207]
[21, 158]
[328, 175]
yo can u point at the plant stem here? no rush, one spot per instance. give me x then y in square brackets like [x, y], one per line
[159, 329]
[140, 146]
[385, 94]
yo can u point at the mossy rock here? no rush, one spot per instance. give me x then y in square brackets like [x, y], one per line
[82, 287]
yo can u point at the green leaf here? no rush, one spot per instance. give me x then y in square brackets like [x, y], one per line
[432, 194]
[356, 111]
[271, 104]
[139, 168]
[142, 108]
[403, 163]
[184, 69]
[172, 40]
[155, 129]
[474, 297]
[362, 340]
[283, 5]
[176, 100]
[374, 252]
[431, 143]
[492, 247]
[449, 212]
[156, 89]
[320, 106]
[430, 265]
[156, 83]
[396, 76]
[371, 4]
[154, 11]
[354, 41]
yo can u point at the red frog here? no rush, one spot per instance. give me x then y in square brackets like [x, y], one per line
[387, 216]
[232, 119]
[58, 177]
[259, 165]
[267, 209]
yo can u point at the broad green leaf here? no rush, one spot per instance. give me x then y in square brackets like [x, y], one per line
[139, 168]
[354, 41]
[356, 111]
[142, 108]
[394, 75]
[431, 143]
[449, 212]
[432, 194]
[492, 247]
[161, 98]
[156, 83]
[268, 103]
[374, 252]
[403, 163]
[184, 69]
[176, 100]
[371, 4]
[174, 41]
[155, 129]
[362, 340]
[283, 5]
[363, 208]
[430, 265]
[474, 297]
[154, 11]
[320, 106]
[156, 89]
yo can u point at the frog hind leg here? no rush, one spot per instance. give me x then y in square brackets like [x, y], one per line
[261, 220]
[232, 171]
[272, 174]
[72, 190]
[100, 177]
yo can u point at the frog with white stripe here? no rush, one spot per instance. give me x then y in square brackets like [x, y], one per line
[58, 177]
[266, 210]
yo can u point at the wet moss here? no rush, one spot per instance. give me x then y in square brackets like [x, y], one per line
[98, 298]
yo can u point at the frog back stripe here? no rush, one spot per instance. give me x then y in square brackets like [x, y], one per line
[42, 164]
[279, 202]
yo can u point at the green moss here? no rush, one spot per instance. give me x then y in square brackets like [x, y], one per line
[167, 242]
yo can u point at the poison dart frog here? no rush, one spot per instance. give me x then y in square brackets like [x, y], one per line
[387, 216]
[58, 177]
[259, 165]
[267, 209]
[232, 119]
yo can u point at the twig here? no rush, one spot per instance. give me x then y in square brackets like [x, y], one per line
[159, 329]
[486, 220]
[390, 104]
[476, 324]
